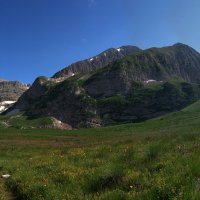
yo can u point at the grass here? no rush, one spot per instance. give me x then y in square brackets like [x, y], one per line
[118, 100]
[156, 159]
[21, 121]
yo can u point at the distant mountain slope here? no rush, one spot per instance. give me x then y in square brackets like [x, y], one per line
[159, 64]
[97, 62]
[137, 87]
[10, 91]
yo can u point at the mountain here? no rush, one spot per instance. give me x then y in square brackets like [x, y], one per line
[10, 91]
[155, 64]
[97, 62]
[137, 87]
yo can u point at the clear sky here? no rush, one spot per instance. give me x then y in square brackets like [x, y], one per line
[40, 37]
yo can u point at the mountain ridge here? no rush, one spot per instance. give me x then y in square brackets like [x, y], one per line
[157, 64]
[99, 61]
[139, 86]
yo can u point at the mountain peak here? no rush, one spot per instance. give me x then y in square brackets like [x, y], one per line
[178, 44]
[96, 62]
[2, 80]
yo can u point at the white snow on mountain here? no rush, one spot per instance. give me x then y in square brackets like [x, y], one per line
[150, 81]
[5, 104]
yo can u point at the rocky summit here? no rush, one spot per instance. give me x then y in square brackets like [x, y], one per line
[97, 62]
[119, 85]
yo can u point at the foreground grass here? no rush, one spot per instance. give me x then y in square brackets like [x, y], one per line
[157, 159]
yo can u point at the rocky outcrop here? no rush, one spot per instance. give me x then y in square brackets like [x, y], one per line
[64, 101]
[56, 124]
[97, 62]
[32, 95]
[10, 91]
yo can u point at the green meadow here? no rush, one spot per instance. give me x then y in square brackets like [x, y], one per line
[156, 159]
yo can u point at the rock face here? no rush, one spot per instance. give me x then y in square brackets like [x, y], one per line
[136, 87]
[97, 62]
[37, 89]
[10, 91]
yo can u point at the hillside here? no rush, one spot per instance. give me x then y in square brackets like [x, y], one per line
[135, 88]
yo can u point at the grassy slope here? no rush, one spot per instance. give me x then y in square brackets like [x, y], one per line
[156, 159]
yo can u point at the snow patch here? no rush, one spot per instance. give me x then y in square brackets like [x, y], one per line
[105, 54]
[91, 59]
[5, 104]
[58, 80]
[118, 49]
[150, 81]
[2, 108]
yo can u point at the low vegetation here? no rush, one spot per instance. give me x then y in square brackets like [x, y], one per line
[156, 159]
[22, 121]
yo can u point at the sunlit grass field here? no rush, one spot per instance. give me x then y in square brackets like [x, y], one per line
[156, 159]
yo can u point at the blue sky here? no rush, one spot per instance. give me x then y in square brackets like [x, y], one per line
[40, 37]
